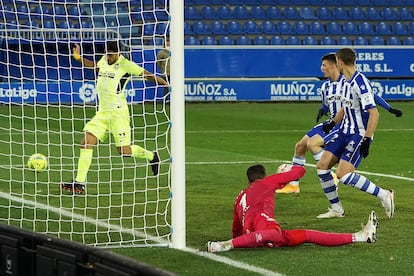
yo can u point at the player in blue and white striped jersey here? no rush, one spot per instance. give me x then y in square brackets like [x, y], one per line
[315, 139]
[358, 120]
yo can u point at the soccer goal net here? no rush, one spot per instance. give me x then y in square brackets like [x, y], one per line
[47, 97]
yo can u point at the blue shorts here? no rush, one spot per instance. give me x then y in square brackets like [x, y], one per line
[318, 130]
[345, 147]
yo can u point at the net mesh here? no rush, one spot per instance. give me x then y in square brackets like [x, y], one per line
[46, 98]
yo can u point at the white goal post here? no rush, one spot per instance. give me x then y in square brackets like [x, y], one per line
[46, 98]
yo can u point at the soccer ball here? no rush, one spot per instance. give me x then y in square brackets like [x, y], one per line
[37, 162]
[284, 168]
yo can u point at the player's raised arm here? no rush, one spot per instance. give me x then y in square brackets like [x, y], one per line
[154, 78]
[77, 56]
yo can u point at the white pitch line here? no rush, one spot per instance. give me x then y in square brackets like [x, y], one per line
[77, 217]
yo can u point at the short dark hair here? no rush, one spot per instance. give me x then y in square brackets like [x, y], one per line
[330, 57]
[347, 55]
[112, 46]
[256, 172]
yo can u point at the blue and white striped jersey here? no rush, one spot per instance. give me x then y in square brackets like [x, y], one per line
[357, 98]
[331, 92]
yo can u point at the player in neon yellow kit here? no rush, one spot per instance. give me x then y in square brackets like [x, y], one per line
[114, 72]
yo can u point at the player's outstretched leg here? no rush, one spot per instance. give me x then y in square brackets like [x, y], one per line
[73, 187]
[155, 164]
[369, 232]
[219, 246]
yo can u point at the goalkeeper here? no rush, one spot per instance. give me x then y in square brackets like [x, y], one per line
[114, 72]
[254, 223]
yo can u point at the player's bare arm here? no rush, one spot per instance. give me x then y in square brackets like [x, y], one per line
[154, 78]
[77, 56]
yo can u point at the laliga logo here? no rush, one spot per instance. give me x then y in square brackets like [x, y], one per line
[377, 88]
[87, 92]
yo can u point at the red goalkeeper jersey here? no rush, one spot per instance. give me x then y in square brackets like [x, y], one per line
[258, 200]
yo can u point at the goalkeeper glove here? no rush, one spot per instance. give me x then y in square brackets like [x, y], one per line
[396, 112]
[321, 113]
[328, 125]
[364, 149]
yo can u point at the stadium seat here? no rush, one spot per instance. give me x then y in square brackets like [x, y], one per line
[225, 12]
[404, 14]
[324, 13]
[349, 2]
[307, 13]
[344, 40]
[292, 13]
[316, 2]
[66, 25]
[277, 40]
[360, 40]
[383, 28]
[399, 28]
[331, 2]
[350, 28]
[284, 27]
[209, 40]
[268, 27]
[372, 13]
[250, 27]
[340, 13]
[258, 12]
[243, 40]
[301, 28]
[161, 28]
[356, 13]
[22, 11]
[217, 27]
[191, 13]
[366, 28]
[379, 2]
[408, 40]
[376, 40]
[316, 27]
[49, 24]
[301, 2]
[234, 27]
[187, 28]
[310, 40]
[241, 12]
[388, 13]
[363, 2]
[333, 28]
[202, 2]
[208, 12]
[74, 10]
[327, 40]
[393, 40]
[284, 2]
[226, 40]
[274, 13]
[411, 28]
[260, 40]
[191, 40]
[199, 27]
[293, 40]
[149, 29]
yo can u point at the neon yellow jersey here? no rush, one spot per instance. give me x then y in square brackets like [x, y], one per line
[112, 80]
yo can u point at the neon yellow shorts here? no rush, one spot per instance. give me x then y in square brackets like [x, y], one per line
[114, 122]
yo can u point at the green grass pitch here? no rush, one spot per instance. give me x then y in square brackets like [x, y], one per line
[223, 139]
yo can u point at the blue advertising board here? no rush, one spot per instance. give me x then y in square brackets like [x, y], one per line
[303, 61]
[212, 90]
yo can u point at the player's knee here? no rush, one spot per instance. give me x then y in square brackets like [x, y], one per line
[300, 148]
